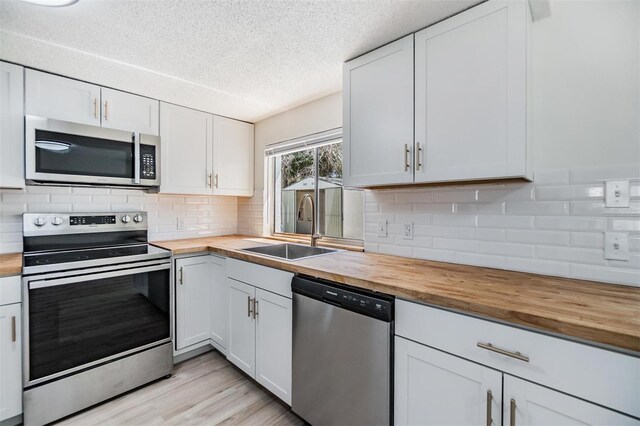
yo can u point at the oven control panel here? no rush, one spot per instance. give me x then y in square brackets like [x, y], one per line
[34, 224]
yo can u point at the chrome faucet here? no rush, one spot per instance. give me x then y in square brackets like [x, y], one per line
[314, 235]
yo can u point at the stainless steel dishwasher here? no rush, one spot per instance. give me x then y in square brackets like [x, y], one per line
[342, 354]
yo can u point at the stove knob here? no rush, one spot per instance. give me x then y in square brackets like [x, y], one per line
[39, 221]
[126, 218]
[57, 220]
[137, 218]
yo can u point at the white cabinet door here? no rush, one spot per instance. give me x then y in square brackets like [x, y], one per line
[186, 150]
[11, 126]
[273, 343]
[528, 404]
[10, 361]
[232, 157]
[378, 116]
[132, 113]
[192, 300]
[435, 388]
[60, 98]
[242, 328]
[470, 94]
[219, 327]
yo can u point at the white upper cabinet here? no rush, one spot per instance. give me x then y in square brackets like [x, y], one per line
[60, 98]
[232, 157]
[471, 94]
[124, 111]
[186, 150]
[378, 116]
[469, 120]
[528, 404]
[11, 126]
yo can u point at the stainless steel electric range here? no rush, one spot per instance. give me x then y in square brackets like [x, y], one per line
[97, 316]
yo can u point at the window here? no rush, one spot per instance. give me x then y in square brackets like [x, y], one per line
[314, 170]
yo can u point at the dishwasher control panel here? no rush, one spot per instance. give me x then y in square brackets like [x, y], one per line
[374, 305]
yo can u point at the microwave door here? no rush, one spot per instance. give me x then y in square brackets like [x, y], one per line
[65, 152]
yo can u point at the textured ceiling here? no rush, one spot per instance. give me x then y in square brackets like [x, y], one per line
[273, 55]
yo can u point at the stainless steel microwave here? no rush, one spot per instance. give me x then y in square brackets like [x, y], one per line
[63, 152]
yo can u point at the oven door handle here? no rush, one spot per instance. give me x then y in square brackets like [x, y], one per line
[92, 277]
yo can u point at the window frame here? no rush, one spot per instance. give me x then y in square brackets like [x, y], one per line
[315, 142]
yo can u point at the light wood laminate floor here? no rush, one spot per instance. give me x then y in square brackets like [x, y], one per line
[205, 390]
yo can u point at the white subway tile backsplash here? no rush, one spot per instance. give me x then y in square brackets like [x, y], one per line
[554, 225]
[163, 210]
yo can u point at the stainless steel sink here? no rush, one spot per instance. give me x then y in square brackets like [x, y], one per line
[289, 251]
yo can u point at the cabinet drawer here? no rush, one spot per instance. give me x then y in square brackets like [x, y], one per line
[598, 375]
[270, 279]
[10, 290]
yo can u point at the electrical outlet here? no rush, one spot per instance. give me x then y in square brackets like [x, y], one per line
[181, 226]
[382, 228]
[407, 231]
[616, 245]
[617, 193]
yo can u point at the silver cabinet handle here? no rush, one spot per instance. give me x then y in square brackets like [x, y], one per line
[181, 278]
[418, 155]
[255, 308]
[209, 180]
[406, 157]
[95, 107]
[489, 402]
[516, 355]
[216, 181]
[106, 110]
[512, 413]
[249, 311]
[13, 329]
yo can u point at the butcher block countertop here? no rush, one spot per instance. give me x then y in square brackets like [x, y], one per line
[605, 314]
[10, 264]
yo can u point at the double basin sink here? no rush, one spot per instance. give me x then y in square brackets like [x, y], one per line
[289, 251]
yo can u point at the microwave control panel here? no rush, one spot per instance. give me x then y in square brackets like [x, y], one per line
[148, 162]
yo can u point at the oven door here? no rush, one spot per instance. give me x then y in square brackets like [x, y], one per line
[75, 322]
[60, 151]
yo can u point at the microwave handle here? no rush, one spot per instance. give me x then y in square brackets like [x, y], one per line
[92, 277]
[136, 157]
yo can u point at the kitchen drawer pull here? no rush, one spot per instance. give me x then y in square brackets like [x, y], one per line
[516, 355]
[512, 413]
[106, 110]
[418, 155]
[181, 276]
[13, 329]
[216, 181]
[209, 180]
[255, 308]
[95, 107]
[489, 402]
[249, 311]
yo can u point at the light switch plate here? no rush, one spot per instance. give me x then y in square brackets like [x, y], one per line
[616, 245]
[617, 193]
[407, 231]
[382, 228]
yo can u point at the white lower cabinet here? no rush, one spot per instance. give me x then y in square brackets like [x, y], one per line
[242, 329]
[273, 343]
[446, 364]
[192, 301]
[10, 348]
[526, 403]
[261, 324]
[435, 388]
[219, 291]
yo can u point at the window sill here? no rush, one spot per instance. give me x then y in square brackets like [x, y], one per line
[305, 240]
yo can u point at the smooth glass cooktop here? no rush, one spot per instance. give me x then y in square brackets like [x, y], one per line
[52, 258]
